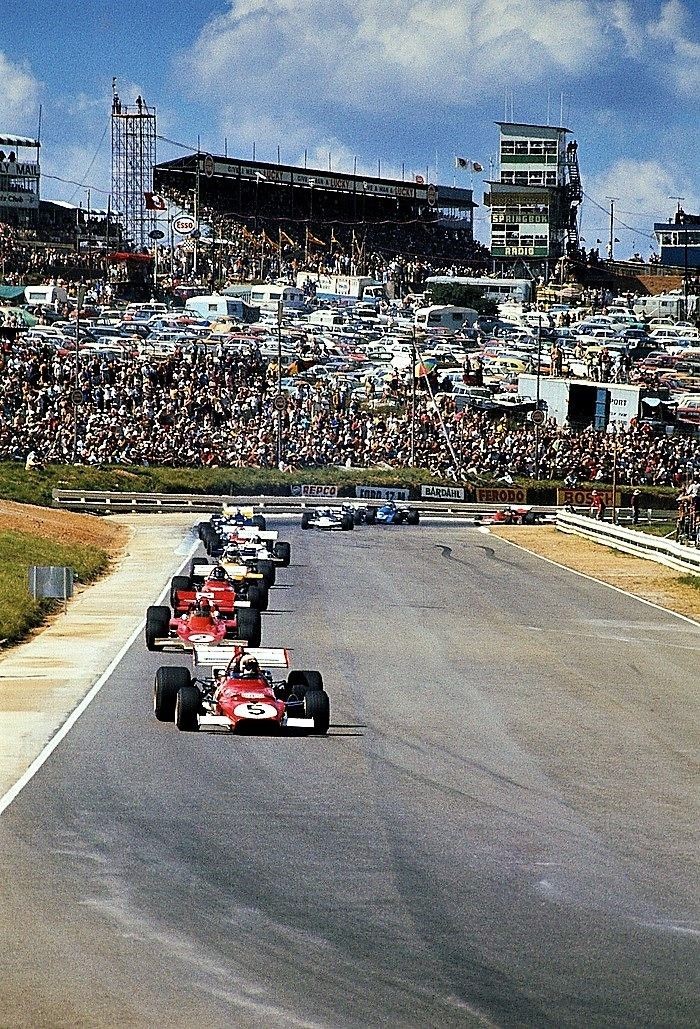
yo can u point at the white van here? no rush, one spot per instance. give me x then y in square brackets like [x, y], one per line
[45, 296]
[268, 297]
[326, 319]
[441, 319]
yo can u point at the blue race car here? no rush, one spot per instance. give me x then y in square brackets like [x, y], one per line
[388, 514]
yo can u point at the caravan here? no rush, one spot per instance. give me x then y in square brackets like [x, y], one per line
[439, 320]
[45, 296]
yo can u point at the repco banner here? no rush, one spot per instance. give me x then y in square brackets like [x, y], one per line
[501, 495]
[311, 490]
[583, 497]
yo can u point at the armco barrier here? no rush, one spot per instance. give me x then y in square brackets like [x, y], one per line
[198, 503]
[639, 544]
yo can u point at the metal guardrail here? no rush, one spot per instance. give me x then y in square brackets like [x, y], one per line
[639, 544]
[106, 502]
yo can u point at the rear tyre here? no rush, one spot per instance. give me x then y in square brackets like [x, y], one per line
[157, 626]
[260, 523]
[165, 689]
[413, 516]
[179, 582]
[305, 519]
[267, 570]
[317, 705]
[283, 552]
[358, 517]
[249, 625]
[347, 523]
[187, 704]
[371, 515]
[301, 682]
[258, 596]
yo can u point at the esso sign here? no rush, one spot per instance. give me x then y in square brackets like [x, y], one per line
[183, 225]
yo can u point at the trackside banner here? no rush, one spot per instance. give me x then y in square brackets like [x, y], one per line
[381, 493]
[442, 493]
[312, 490]
[583, 497]
[500, 495]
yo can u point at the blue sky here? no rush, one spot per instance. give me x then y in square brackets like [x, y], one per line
[405, 81]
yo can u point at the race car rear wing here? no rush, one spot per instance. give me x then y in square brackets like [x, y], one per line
[248, 532]
[233, 571]
[219, 656]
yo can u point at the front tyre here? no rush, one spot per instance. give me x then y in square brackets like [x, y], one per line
[187, 704]
[283, 552]
[165, 689]
[157, 626]
[317, 705]
[249, 625]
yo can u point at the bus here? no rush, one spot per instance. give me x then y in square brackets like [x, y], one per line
[499, 290]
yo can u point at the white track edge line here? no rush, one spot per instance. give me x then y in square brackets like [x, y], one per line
[63, 730]
[601, 582]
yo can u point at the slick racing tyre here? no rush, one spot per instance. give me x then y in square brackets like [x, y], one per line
[283, 552]
[301, 682]
[179, 582]
[157, 626]
[347, 522]
[187, 704]
[165, 690]
[413, 516]
[371, 515]
[258, 595]
[267, 570]
[359, 517]
[249, 626]
[317, 705]
[305, 520]
[260, 523]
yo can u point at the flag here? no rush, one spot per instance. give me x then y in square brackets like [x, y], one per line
[419, 180]
[154, 202]
[462, 162]
[287, 239]
[315, 239]
[259, 175]
[477, 167]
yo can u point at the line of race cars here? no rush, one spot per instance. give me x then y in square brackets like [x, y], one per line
[215, 613]
[347, 516]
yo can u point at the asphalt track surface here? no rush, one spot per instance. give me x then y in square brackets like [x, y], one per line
[499, 828]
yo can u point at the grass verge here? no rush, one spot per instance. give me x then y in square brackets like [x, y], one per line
[691, 580]
[19, 612]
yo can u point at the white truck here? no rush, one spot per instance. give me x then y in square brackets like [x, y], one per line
[343, 289]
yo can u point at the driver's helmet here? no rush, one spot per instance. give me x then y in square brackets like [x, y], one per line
[218, 573]
[204, 607]
[249, 666]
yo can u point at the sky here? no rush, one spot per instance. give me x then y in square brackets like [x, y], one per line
[410, 83]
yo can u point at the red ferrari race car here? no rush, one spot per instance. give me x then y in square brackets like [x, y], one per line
[239, 695]
[227, 584]
[523, 514]
[201, 622]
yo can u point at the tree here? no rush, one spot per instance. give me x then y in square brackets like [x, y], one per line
[461, 296]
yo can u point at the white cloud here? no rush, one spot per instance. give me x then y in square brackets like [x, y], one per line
[19, 92]
[301, 62]
[672, 30]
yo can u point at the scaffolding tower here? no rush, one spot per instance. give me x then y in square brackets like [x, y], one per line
[133, 158]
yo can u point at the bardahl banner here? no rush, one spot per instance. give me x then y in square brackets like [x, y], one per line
[381, 493]
[313, 490]
[442, 492]
[583, 497]
[501, 495]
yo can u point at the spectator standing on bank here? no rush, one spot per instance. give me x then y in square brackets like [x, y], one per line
[635, 503]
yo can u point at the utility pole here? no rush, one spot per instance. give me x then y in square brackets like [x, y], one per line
[680, 220]
[279, 383]
[611, 243]
[537, 424]
[413, 399]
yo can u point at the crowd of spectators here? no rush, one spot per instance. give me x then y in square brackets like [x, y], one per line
[213, 408]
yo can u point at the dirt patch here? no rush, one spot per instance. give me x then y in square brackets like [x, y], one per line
[644, 578]
[64, 527]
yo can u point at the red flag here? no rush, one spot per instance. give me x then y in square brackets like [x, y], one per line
[154, 202]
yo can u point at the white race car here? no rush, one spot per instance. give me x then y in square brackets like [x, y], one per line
[329, 518]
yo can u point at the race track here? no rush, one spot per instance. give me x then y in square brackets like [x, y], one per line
[499, 828]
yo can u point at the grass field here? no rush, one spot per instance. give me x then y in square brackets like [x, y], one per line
[19, 612]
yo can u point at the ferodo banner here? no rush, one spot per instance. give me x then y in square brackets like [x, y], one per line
[501, 495]
[312, 490]
[442, 492]
[381, 493]
[583, 496]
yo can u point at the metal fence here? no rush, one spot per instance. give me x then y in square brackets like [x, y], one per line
[629, 541]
